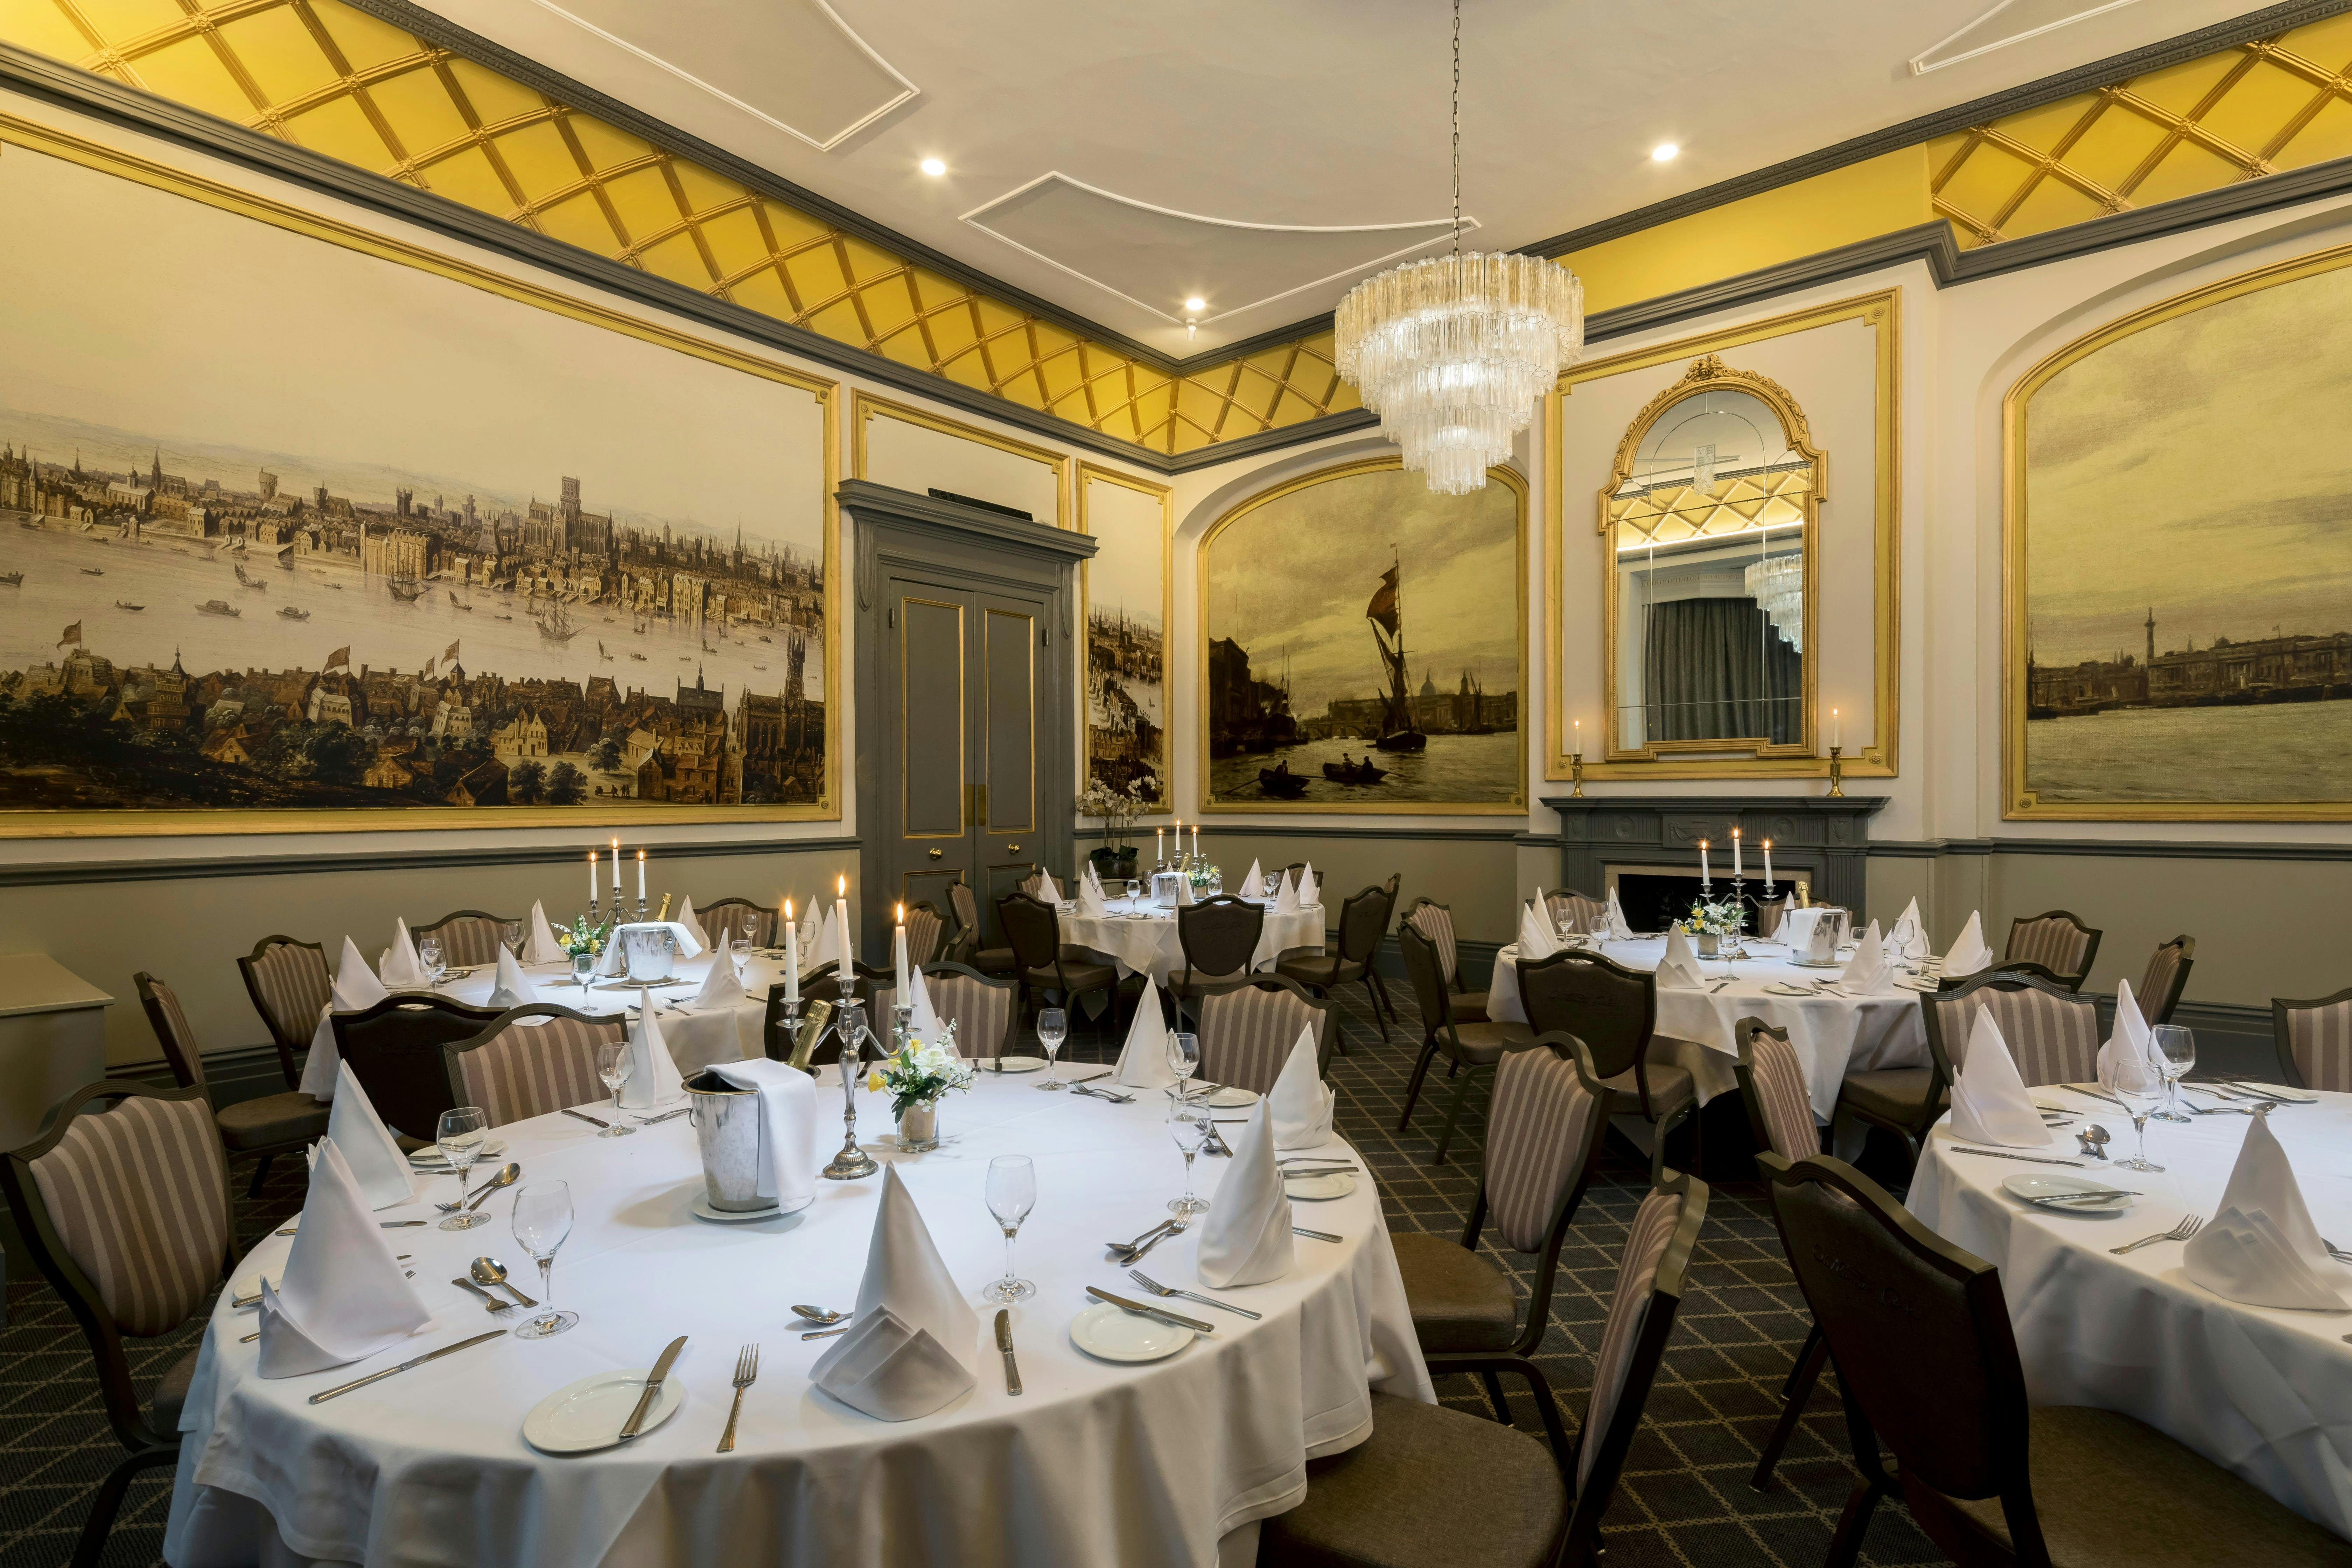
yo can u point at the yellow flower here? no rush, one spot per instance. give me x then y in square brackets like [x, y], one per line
[874, 1080]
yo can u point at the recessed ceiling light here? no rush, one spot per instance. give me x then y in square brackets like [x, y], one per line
[934, 167]
[1196, 303]
[1664, 152]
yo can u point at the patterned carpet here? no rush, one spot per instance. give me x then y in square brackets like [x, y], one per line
[1683, 1502]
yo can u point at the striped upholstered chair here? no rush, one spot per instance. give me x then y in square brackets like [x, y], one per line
[2058, 942]
[1248, 1028]
[926, 932]
[2315, 1042]
[1435, 921]
[517, 1069]
[266, 1126]
[470, 938]
[980, 1008]
[1468, 1046]
[291, 986]
[724, 920]
[1781, 1118]
[1572, 911]
[125, 1210]
[2167, 977]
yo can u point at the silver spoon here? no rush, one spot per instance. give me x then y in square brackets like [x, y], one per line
[491, 1272]
[818, 1315]
[508, 1175]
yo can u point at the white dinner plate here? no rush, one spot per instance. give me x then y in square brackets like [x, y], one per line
[1320, 1189]
[1819, 962]
[584, 1416]
[1918, 984]
[430, 1157]
[1114, 1333]
[1228, 1097]
[1016, 1064]
[2040, 1189]
[250, 1284]
[1783, 988]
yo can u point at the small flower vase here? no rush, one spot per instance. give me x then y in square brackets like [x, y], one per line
[1710, 944]
[919, 1127]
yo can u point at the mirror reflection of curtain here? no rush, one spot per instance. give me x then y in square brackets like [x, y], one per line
[1715, 669]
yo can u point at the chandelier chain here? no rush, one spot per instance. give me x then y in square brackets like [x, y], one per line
[1457, 127]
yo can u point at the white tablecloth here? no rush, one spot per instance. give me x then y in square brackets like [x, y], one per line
[1140, 938]
[1096, 1464]
[1832, 1035]
[2266, 1393]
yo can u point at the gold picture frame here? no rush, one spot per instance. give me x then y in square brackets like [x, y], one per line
[35, 821]
[1881, 312]
[1165, 495]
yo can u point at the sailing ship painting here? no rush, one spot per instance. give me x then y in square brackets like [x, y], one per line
[1343, 676]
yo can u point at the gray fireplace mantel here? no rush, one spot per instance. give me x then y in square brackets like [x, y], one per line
[1827, 838]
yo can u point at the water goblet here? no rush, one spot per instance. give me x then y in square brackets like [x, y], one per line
[542, 1218]
[613, 1065]
[583, 964]
[739, 952]
[2139, 1088]
[1012, 1193]
[510, 932]
[428, 953]
[1053, 1027]
[1184, 1059]
[461, 1133]
[2176, 1051]
[1189, 1125]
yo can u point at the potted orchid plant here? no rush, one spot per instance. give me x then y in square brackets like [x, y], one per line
[1118, 809]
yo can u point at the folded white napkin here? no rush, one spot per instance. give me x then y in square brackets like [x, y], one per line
[356, 986]
[1679, 967]
[788, 1127]
[911, 1346]
[1143, 1061]
[1245, 1236]
[924, 1018]
[1619, 926]
[1302, 1102]
[1184, 889]
[1090, 903]
[403, 970]
[1309, 894]
[370, 1156]
[652, 1075]
[1970, 954]
[686, 918]
[514, 988]
[540, 947]
[2262, 1248]
[1867, 970]
[1256, 881]
[342, 1294]
[1285, 898]
[1990, 1104]
[1536, 940]
[1910, 936]
[2128, 1059]
[1046, 890]
[720, 987]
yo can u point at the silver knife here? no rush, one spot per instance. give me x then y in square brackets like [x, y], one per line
[1175, 1319]
[2029, 1159]
[1004, 1345]
[653, 1389]
[665, 1116]
[417, 1360]
[1099, 1094]
[582, 1116]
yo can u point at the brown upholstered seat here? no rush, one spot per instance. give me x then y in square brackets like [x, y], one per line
[267, 1126]
[1363, 926]
[1460, 1302]
[1893, 1094]
[1468, 1047]
[171, 1393]
[1082, 975]
[1671, 1089]
[1484, 1045]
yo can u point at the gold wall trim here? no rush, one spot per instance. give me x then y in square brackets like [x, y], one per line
[1516, 807]
[1882, 310]
[44, 824]
[1165, 495]
[864, 406]
[2018, 803]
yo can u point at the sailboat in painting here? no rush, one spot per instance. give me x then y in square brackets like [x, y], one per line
[1386, 614]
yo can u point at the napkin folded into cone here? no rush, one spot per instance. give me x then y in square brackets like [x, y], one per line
[720, 988]
[540, 947]
[1252, 882]
[913, 1338]
[789, 1155]
[1245, 1236]
[924, 1018]
[1679, 967]
[371, 1158]
[1867, 970]
[2128, 1060]
[1302, 1102]
[2262, 1248]
[342, 1294]
[1990, 1104]
[403, 970]
[686, 918]
[356, 986]
[1091, 903]
[653, 1076]
[1286, 896]
[1184, 889]
[513, 988]
[1536, 939]
[1909, 935]
[1143, 1061]
[1046, 891]
[1619, 926]
[1309, 894]
[1970, 954]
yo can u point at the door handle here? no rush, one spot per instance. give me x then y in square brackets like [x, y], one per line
[1013, 849]
[937, 853]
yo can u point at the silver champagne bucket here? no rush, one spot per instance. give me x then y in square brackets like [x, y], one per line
[1163, 888]
[727, 1129]
[646, 949]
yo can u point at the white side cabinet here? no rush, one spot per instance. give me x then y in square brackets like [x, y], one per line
[52, 1040]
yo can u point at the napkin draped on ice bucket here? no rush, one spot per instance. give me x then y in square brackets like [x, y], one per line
[755, 1122]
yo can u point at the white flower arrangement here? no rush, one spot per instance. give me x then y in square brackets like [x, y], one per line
[922, 1072]
[1727, 917]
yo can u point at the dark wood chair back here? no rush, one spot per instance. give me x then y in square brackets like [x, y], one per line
[393, 1048]
[170, 1021]
[2165, 978]
[1034, 928]
[1611, 1008]
[1363, 923]
[724, 918]
[289, 983]
[1219, 937]
[1425, 972]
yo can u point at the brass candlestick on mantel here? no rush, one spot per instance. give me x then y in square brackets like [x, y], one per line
[1837, 771]
[1576, 772]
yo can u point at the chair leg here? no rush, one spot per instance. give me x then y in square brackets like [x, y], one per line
[1494, 1398]
[1377, 1014]
[108, 1503]
[1799, 1392]
[1412, 1086]
[1845, 1546]
[1453, 1114]
[260, 1174]
[1386, 1000]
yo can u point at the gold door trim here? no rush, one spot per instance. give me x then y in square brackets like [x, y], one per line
[964, 703]
[1028, 823]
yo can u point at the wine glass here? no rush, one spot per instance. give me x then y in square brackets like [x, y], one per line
[2138, 1086]
[613, 1065]
[2175, 1052]
[428, 953]
[1134, 892]
[1012, 1193]
[739, 952]
[1053, 1027]
[542, 1218]
[583, 964]
[461, 1133]
[1189, 1125]
[510, 932]
[1184, 1057]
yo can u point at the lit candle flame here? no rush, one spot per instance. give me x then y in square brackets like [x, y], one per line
[902, 914]
[841, 885]
[788, 908]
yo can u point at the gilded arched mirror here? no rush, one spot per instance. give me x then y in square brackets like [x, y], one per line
[1709, 521]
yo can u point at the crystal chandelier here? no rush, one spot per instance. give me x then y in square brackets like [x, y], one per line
[1453, 351]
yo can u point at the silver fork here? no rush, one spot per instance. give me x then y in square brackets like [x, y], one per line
[747, 1373]
[2189, 1224]
[1157, 1289]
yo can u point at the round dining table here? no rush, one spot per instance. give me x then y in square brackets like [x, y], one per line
[2263, 1392]
[1834, 1030]
[1139, 936]
[1095, 1462]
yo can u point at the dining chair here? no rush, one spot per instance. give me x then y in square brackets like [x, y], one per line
[1249, 1025]
[1770, 913]
[393, 1048]
[470, 938]
[1048, 965]
[1363, 926]
[1615, 1011]
[823, 983]
[1467, 1045]
[925, 930]
[290, 985]
[2057, 941]
[124, 1207]
[1574, 912]
[1928, 1368]
[982, 1008]
[1435, 921]
[724, 920]
[516, 1069]
[1432, 1487]
[1780, 1120]
[2315, 1042]
[2165, 978]
[264, 1127]
[1219, 940]
[1543, 1139]
[967, 949]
